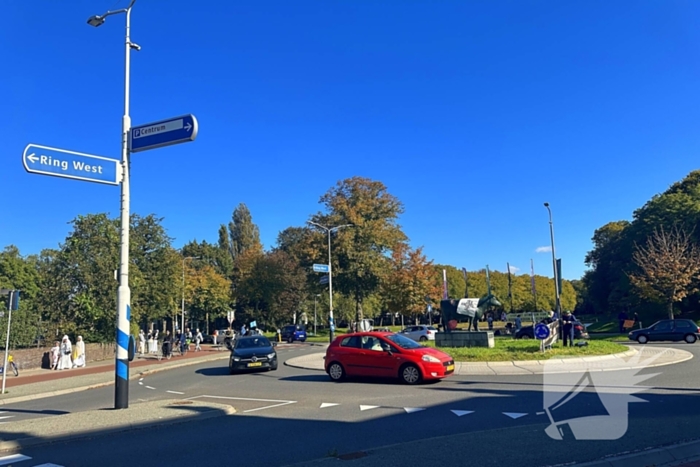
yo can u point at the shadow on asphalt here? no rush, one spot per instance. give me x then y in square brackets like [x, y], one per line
[41, 412]
[432, 435]
[214, 371]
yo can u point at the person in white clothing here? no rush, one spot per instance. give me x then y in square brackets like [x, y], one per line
[64, 362]
[79, 353]
[142, 342]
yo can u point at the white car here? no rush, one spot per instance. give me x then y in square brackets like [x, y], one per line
[420, 333]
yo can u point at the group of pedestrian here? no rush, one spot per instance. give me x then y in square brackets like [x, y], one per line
[65, 356]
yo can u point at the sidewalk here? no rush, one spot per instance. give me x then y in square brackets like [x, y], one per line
[646, 357]
[38, 384]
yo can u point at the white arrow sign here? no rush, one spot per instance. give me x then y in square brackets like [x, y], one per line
[188, 127]
[32, 157]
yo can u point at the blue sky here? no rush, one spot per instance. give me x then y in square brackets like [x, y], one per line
[473, 113]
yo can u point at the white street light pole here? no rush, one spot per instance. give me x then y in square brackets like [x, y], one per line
[554, 263]
[182, 326]
[330, 272]
[121, 391]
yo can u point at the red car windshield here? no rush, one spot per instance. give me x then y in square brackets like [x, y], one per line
[404, 342]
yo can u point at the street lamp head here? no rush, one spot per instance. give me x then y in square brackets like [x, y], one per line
[546, 205]
[96, 20]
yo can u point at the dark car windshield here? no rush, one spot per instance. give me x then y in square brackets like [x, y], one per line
[253, 343]
[404, 342]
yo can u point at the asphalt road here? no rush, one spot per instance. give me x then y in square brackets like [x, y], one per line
[293, 416]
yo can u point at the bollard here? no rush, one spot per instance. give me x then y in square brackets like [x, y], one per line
[279, 336]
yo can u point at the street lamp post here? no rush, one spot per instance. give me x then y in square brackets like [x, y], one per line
[330, 272]
[315, 297]
[554, 263]
[182, 326]
[121, 387]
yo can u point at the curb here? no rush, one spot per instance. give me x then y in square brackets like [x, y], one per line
[43, 395]
[24, 443]
[659, 457]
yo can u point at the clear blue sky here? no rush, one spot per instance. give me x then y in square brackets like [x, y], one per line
[473, 113]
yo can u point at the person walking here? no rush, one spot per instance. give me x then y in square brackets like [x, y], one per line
[142, 342]
[568, 327]
[198, 338]
[167, 344]
[79, 360]
[64, 362]
[55, 355]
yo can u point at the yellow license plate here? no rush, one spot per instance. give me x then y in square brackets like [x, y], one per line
[450, 368]
[255, 364]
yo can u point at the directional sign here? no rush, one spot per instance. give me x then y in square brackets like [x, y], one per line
[230, 315]
[164, 133]
[323, 280]
[541, 331]
[70, 164]
[320, 268]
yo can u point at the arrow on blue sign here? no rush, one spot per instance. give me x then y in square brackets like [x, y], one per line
[70, 164]
[320, 268]
[164, 133]
[541, 331]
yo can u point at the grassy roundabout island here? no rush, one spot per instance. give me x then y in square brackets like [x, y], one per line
[507, 349]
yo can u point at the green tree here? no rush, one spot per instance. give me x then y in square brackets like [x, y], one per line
[360, 252]
[20, 273]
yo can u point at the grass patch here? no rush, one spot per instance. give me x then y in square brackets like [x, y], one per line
[529, 349]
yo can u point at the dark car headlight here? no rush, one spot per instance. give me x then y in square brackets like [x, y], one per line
[271, 356]
[236, 359]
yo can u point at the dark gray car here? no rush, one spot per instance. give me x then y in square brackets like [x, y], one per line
[252, 353]
[675, 330]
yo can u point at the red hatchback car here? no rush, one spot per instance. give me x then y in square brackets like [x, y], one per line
[385, 354]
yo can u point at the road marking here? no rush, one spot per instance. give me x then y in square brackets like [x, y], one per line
[175, 392]
[149, 387]
[6, 416]
[270, 406]
[539, 413]
[514, 415]
[327, 404]
[279, 403]
[368, 407]
[412, 409]
[13, 458]
[461, 413]
[48, 465]
[140, 379]
[141, 383]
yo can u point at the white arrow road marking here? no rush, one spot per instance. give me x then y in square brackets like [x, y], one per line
[32, 157]
[188, 127]
[175, 392]
[514, 415]
[460, 413]
[48, 465]
[13, 458]
[412, 409]
[327, 404]
[368, 407]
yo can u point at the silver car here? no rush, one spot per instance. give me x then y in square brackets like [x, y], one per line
[420, 333]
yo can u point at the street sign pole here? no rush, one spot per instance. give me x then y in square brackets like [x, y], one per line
[121, 387]
[11, 300]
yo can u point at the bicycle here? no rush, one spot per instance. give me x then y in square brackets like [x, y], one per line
[12, 363]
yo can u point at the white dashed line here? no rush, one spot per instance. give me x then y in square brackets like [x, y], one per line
[461, 413]
[149, 387]
[13, 458]
[175, 392]
[514, 415]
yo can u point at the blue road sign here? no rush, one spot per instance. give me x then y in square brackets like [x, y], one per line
[541, 331]
[164, 133]
[70, 164]
[320, 268]
[323, 280]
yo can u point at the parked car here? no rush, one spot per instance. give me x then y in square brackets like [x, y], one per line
[419, 333]
[293, 332]
[252, 353]
[528, 332]
[385, 354]
[668, 330]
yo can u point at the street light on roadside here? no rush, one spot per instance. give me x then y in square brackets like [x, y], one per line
[315, 297]
[182, 326]
[121, 386]
[330, 272]
[554, 263]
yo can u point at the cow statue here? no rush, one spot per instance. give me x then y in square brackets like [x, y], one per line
[472, 309]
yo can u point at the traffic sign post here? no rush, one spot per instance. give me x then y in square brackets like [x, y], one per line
[12, 304]
[70, 164]
[163, 133]
[321, 268]
[230, 315]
